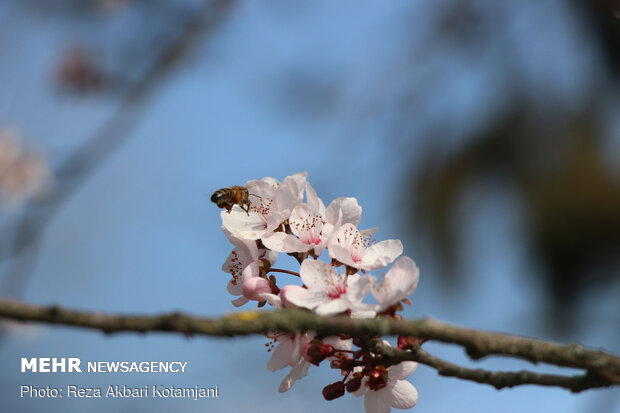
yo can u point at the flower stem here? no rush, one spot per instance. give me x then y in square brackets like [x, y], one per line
[284, 271]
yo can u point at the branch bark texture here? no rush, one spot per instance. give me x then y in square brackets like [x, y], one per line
[601, 369]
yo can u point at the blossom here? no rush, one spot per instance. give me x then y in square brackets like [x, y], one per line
[288, 352]
[398, 283]
[270, 206]
[353, 248]
[393, 391]
[23, 172]
[339, 212]
[328, 292]
[306, 224]
[255, 288]
[312, 225]
[297, 372]
[243, 263]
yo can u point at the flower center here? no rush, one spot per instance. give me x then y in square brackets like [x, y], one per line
[336, 291]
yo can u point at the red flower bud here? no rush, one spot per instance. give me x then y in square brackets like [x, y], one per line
[316, 351]
[347, 364]
[333, 391]
[354, 384]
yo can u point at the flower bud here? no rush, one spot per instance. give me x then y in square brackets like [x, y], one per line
[253, 287]
[354, 384]
[347, 364]
[316, 351]
[333, 391]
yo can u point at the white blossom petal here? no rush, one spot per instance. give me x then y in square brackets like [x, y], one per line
[381, 254]
[305, 298]
[281, 355]
[317, 274]
[373, 403]
[333, 307]
[298, 372]
[400, 394]
[402, 370]
[343, 211]
[287, 243]
[313, 201]
[239, 301]
[272, 299]
[398, 283]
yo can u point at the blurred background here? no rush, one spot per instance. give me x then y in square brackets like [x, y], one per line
[485, 135]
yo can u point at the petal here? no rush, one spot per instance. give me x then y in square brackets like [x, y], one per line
[281, 242]
[290, 193]
[246, 249]
[339, 343]
[305, 298]
[235, 289]
[317, 275]
[240, 225]
[358, 287]
[313, 201]
[368, 233]
[272, 299]
[381, 254]
[328, 307]
[402, 370]
[298, 372]
[251, 271]
[340, 253]
[373, 403]
[407, 273]
[281, 355]
[363, 314]
[398, 283]
[343, 211]
[263, 189]
[239, 301]
[400, 394]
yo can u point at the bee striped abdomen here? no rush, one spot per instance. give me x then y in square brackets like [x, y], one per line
[228, 197]
[220, 194]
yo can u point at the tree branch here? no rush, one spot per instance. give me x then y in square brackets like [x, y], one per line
[497, 379]
[602, 369]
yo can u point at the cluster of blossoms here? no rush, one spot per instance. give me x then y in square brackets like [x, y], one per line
[279, 221]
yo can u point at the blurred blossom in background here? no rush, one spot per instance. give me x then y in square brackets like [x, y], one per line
[23, 173]
[484, 134]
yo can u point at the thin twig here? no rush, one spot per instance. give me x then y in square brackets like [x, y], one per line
[497, 379]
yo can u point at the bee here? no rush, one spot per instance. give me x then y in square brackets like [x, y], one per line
[228, 197]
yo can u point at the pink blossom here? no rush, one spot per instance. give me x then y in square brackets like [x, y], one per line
[397, 392]
[398, 283]
[270, 205]
[288, 352]
[354, 248]
[243, 263]
[327, 291]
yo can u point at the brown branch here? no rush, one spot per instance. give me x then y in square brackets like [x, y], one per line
[602, 369]
[497, 379]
